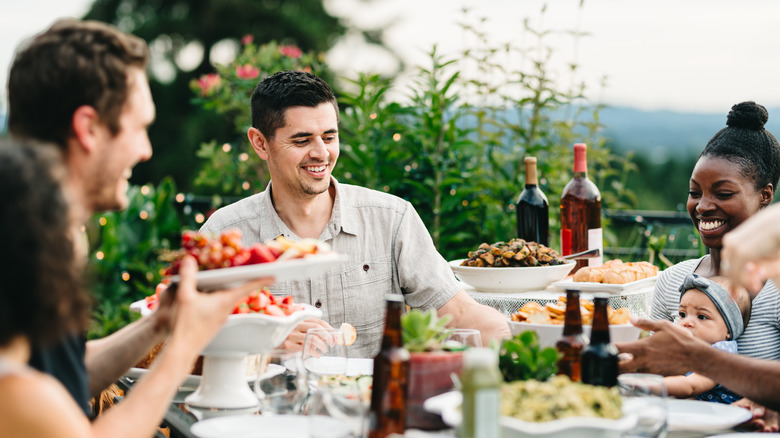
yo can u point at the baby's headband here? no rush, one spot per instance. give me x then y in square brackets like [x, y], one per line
[726, 305]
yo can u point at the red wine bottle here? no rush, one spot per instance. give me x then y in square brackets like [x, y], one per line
[581, 213]
[533, 210]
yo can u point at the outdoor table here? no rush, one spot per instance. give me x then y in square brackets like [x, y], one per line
[181, 417]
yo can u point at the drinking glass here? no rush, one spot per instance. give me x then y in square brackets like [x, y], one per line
[282, 388]
[462, 339]
[324, 355]
[644, 395]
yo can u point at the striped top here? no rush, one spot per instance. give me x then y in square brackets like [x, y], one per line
[761, 338]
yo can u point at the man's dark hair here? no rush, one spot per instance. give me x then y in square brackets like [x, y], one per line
[41, 289]
[286, 89]
[71, 64]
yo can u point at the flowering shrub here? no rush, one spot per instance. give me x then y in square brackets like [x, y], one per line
[229, 169]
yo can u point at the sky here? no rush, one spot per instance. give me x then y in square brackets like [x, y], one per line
[681, 55]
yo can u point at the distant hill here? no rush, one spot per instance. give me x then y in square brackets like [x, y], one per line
[666, 134]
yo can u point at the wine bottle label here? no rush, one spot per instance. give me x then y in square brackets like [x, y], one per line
[487, 405]
[596, 240]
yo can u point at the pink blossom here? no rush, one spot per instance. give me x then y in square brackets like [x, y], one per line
[290, 51]
[247, 71]
[209, 83]
[247, 39]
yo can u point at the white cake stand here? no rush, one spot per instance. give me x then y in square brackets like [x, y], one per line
[224, 385]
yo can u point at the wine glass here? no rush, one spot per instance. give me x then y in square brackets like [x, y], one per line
[462, 339]
[282, 387]
[324, 355]
[644, 395]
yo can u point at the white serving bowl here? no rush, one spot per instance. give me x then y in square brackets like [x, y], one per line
[510, 279]
[550, 333]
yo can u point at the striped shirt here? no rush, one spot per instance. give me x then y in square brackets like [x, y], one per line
[761, 338]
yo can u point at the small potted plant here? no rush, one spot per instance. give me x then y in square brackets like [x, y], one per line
[430, 367]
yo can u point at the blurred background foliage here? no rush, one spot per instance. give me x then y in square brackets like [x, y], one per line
[452, 144]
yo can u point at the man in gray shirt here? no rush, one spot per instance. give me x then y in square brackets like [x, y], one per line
[295, 130]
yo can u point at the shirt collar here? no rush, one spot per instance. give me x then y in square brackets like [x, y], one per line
[342, 218]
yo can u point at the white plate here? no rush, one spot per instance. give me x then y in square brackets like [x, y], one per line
[549, 334]
[360, 366]
[295, 269]
[514, 279]
[269, 426]
[193, 381]
[701, 416]
[617, 289]
[448, 406]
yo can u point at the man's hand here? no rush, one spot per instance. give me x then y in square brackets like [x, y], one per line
[294, 341]
[669, 351]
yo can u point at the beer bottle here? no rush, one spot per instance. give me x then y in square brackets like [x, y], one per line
[391, 366]
[600, 357]
[572, 342]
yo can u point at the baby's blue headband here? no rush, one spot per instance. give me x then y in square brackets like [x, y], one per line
[726, 305]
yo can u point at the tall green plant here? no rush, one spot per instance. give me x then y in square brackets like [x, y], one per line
[124, 249]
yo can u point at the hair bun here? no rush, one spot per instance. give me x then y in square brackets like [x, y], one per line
[748, 115]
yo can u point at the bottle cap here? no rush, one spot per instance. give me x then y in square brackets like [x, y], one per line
[480, 357]
[580, 160]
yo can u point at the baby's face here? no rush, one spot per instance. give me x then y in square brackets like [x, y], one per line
[699, 315]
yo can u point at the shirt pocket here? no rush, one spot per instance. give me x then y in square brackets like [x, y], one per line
[365, 284]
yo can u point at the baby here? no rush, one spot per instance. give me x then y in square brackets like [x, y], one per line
[713, 315]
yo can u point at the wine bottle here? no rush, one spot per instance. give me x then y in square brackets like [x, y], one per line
[581, 213]
[600, 357]
[387, 415]
[573, 341]
[532, 208]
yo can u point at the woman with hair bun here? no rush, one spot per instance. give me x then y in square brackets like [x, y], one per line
[734, 178]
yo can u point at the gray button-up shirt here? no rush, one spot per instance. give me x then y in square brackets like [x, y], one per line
[389, 249]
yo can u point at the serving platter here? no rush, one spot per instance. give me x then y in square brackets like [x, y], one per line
[294, 269]
[616, 289]
[448, 406]
[193, 381]
[510, 279]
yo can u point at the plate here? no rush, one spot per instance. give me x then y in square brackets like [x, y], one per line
[295, 269]
[360, 366]
[701, 416]
[193, 381]
[617, 289]
[517, 279]
[550, 333]
[448, 406]
[269, 426]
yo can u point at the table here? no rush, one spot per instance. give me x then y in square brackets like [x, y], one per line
[637, 300]
[180, 418]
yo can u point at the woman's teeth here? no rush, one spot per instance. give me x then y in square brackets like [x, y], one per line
[710, 225]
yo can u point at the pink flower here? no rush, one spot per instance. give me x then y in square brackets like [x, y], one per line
[290, 51]
[247, 39]
[247, 71]
[209, 83]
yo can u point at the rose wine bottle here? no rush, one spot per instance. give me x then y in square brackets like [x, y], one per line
[581, 213]
[533, 210]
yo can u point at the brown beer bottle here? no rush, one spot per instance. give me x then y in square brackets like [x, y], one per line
[600, 357]
[391, 367]
[573, 340]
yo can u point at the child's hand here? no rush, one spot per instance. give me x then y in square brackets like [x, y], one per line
[764, 419]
